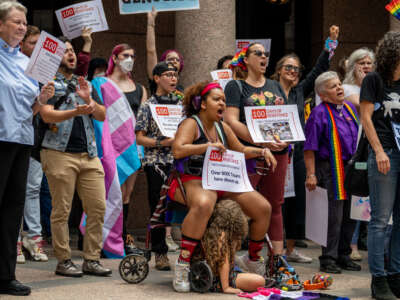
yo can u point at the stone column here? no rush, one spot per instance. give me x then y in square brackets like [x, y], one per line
[203, 36]
[394, 23]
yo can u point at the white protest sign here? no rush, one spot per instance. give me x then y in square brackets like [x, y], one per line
[361, 209]
[225, 171]
[137, 7]
[46, 58]
[222, 76]
[317, 216]
[240, 44]
[167, 117]
[289, 180]
[85, 14]
[279, 121]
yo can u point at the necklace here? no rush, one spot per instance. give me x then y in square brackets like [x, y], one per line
[208, 136]
[339, 108]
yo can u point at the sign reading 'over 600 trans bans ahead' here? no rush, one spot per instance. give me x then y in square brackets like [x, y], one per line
[142, 6]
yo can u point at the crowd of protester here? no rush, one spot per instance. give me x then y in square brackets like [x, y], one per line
[49, 141]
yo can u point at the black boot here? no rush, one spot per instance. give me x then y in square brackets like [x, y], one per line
[380, 289]
[394, 284]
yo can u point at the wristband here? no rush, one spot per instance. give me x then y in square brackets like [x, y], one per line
[158, 143]
[330, 46]
[311, 175]
[39, 102]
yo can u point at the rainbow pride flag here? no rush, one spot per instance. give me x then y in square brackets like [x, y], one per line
[117, 150]
[394, 8]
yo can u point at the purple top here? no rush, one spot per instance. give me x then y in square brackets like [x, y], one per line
[317, 131]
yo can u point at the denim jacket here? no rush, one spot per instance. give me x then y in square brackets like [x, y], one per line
[57, 139]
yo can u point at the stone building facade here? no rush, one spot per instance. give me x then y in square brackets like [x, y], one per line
[204, 35]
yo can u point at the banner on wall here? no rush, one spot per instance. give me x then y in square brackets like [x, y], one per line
[138, 6]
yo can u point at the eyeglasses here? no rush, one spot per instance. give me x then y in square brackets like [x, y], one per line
[289, 68]
[177, 59]
[126, 55]
[260, 53]
[171, 74]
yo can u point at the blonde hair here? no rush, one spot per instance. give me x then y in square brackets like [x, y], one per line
[7, 6]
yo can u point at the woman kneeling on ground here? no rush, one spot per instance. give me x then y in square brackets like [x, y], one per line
[204, 106]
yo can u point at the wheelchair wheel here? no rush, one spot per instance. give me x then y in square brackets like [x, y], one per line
[134, 268]
[201, 277]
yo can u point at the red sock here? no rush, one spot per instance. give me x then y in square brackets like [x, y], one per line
[254, 249]
[187, 248]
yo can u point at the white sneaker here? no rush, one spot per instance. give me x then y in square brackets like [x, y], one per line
[296, 256]
[172, 246]
[20, 254]
[247, 265]
[181, 277]
[35, 248]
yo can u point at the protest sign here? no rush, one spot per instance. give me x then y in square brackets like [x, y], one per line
[222, 76]
[244, 43]
[317, 216]
[279, 121]
[46, 58]
[167, 117]
[85, 14]
[225, 171]
[361, 209]
[137, 7]
[289, 180]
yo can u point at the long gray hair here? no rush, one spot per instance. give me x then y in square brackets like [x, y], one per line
[356, 56]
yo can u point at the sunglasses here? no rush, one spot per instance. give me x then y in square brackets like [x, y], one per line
[171, 74]
[289, 68]
[260, 53]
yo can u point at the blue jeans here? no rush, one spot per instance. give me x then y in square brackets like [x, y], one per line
[385, 201]
[32, 198]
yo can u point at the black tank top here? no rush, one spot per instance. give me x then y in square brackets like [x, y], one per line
[134, 98]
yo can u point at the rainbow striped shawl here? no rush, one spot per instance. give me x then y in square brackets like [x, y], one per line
[335, 151]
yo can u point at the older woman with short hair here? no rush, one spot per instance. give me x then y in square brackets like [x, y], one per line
[326, 152]
[17, 103]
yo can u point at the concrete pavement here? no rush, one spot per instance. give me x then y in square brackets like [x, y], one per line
[45, 285]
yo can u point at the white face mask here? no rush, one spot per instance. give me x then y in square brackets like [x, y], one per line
[102, 74]
[126, 65]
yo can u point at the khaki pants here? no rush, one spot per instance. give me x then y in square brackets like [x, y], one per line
[65, 172]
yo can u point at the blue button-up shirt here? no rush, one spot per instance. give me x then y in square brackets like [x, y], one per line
[17, 95]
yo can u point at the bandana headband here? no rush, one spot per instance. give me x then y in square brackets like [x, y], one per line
[210, 86]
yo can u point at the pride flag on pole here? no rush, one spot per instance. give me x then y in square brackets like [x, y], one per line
[117, 150]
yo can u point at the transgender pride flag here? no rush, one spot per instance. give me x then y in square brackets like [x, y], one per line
[117, 150]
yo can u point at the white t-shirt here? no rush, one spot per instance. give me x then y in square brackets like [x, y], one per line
[351, 89]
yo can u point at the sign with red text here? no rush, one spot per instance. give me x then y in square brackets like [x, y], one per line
[225, 171]
[267, 123]
[240, 44]
[167, 118]
[222, 76]
[85, 14]
[46, 58]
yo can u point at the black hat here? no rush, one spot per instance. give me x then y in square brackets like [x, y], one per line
[162, 67]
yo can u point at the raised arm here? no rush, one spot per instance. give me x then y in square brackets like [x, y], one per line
[83, 57]
[151, 50]
[322, 64]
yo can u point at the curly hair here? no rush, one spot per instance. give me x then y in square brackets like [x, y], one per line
[388, 55]
[191, 92]
[281, 62]
[226, 229]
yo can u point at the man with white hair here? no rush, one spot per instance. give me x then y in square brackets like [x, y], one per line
[326, 152]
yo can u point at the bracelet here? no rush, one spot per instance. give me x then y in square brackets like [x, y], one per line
[158, 143]
[263, 151]
[311, 175]
[151, 25]
[39, 102]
